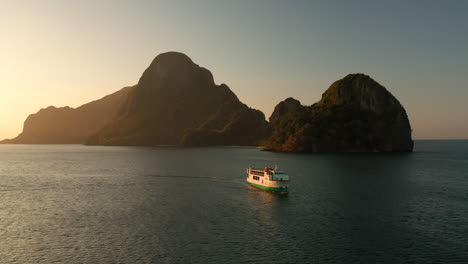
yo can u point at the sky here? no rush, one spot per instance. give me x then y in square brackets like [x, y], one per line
[67, 53]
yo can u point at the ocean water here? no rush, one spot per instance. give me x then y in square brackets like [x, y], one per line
[81, 204]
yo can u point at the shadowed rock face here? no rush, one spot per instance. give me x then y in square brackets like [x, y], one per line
[355, 114]
[283, 108]
[67, 125]
[176, 102]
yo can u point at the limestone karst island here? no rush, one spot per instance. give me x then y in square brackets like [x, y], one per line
[176, 102]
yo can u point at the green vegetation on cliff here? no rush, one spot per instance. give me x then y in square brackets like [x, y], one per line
[356, 114]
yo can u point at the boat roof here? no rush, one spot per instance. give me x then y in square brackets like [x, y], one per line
[266, 169]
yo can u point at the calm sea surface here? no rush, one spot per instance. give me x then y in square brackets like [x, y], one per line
[80, 204]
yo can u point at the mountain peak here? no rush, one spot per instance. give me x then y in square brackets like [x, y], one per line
[172, 57]
[359, 89]
[284, 107]
[176, 102]
[174, 70]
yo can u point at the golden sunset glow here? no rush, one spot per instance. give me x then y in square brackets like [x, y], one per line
[67, 54]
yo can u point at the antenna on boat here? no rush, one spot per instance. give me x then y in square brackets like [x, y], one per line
[276, 166]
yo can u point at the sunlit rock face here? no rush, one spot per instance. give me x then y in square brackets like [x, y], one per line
[65, 125]
[356, 114]
[176, 102]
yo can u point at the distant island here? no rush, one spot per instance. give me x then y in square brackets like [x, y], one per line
[176, 102]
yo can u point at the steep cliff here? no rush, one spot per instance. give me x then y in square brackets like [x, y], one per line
[356, 114]
[176, 102]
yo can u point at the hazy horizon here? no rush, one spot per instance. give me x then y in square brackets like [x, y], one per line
[68, 54]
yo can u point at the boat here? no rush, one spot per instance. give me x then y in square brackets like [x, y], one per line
[268, 179]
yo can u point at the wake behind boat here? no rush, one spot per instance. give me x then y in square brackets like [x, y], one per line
[268, 179]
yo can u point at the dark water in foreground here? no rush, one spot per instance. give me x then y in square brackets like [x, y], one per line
[78, 204]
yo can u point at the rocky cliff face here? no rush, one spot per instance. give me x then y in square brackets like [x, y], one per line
[176, 102]
[67, 125]
[356, 114]
[282, 109]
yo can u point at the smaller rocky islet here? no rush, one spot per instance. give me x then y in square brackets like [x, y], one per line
[355, 114]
